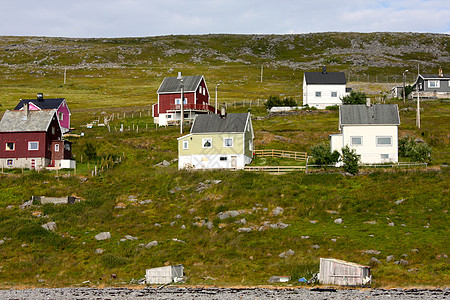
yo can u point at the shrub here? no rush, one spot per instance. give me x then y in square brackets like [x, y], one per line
[323, 155]
[419, 152]
[90, 151]
[350, 160]
[332, 107]
[276, 101]
[113, 261]
[354, 98]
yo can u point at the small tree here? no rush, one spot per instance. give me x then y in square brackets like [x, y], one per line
[408, 90]
[419, 152]
[350, 160]
[354, 98]
[276, 101]
[323, 155]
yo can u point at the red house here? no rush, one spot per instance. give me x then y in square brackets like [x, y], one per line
[196, 99]
[32, 139]
[59, 104]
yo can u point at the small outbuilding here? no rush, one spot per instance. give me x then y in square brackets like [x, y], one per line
[341, 272]
[164, 275]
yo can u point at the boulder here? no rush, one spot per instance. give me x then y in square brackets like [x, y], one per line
[151, 244]
[51, 226]
[277, 211]
[338, 221]
[103, 236]
[99, 251]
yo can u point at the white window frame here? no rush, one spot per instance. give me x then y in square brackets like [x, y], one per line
[436, 84]
[9, 162]
[13, 146]
[178, 101]
[205, 140]
[31, 148]
[383, 144]
[56, 147]
[334, 94]
[356, 144]
[185, 145]
[318, 94]
[61, 116]
[225, 142]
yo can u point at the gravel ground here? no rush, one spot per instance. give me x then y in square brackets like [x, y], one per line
[223, 293]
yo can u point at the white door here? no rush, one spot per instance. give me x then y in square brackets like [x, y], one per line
[233, 161]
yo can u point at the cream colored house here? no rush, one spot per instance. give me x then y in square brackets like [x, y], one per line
[372, 130]
[217, 141]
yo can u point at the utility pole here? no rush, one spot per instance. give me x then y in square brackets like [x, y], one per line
[262, 68]
[182, 108]
[215, 107]
[418, 100]
[65, 71]
[404, 91]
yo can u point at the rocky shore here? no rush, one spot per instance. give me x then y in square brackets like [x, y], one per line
[181, 293]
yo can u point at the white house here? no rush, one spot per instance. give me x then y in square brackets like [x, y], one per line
[322, 89]
[217, 141]
[372, 130]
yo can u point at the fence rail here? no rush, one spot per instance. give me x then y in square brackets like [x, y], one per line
[281, 153]
[274, 169]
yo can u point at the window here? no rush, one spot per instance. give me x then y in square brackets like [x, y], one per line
[223, 158]
[384, 156]
[250, 145]
[9, 162]
[334, 94]
[53, 130]
[356, 140]
[169, 116]
[204, 91]
[207, 143]
[56, 147]
[318, 94]
[185, 145]
[10, 146]
[384, 141]
[228, 142]
[61, 116]
[33, 145]
[178, 101]
[434, 83]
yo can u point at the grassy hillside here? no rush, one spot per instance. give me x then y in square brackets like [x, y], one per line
[400, 213]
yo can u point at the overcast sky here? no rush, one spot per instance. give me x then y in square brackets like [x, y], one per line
[140, 18]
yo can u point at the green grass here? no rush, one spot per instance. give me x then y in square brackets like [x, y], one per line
[365, 202]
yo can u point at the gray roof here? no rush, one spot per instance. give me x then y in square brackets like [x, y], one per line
[325, 78]
[361, 114]
[173, 84]
[18, 121]
[213, 123]
[435, 76]
[41, 103]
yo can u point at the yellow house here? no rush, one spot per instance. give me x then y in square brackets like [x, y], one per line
[217, 141]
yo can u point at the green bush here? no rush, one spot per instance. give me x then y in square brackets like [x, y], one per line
[113, 261]
[276, 101]
[350, 160]
[332, 107]
[354, 98]
[90, 151]
[418, 152]
[323, 155]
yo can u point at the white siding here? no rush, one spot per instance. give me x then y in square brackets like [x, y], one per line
[309, 94]
[213, 161]
[370, 152]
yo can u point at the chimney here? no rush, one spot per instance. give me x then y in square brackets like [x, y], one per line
[26, 108]
[179, 75]
[324, 70]
[368, 102]
[40, 96]
[440, 72]
[223, 112]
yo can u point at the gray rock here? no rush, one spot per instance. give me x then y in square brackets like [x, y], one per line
[415, 250]
[131, 238]
[99, 251]
[143, 202]
[374, 261]
[234, 213]
[2, 242]
[51, 226]
[334, 240]
[192, 210]
[390, 258]
[244, 229]
[391, 224]
[241, 221]
[26, 204]
[401, 262]
[399, 201]
[103, 236]
[277, 211]
[209, 225]
[338, 221]
[10, 207]
[315, 246]
[313, 221]
[151, 244]
[305, 237]
[157, 225]
[178, 217]
[372, 252]
[286, 254]
[172, 223]
[183, 226]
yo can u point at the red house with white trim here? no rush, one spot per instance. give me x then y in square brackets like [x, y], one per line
[59, 104]
[32, 139]
[196, 99]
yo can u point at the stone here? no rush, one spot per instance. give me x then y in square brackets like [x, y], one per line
[277, 211]
[209, 225]
[99, 251]
[192, 210]
[313, 221]
[338, 221]
[10, 207]
[157, 225]
[244, 229]
[401, 262]
[103, 236]
[399, 201]
[372, 252]
[315, 246]
[131, 238]
[120, 205]
[374, 261]
[151, 244]
[390, 258]
[2, 242]
[371, 222]
[178, 217]
[51, 226]
[183, 226]
[241, 221]
[334, 240]
[415, 250]
[147, 201]
[391, 224]
[286, 254]
[26, 204]
[305, 237]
